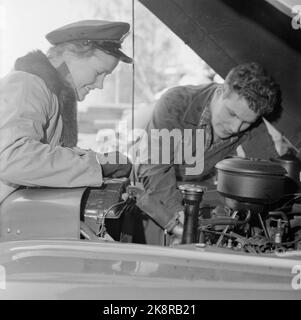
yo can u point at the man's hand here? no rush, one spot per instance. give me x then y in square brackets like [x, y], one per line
[177, 234]
[177, 231]
[122, 168]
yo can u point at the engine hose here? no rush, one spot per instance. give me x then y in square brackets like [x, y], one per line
[291, 242]
[225, 221]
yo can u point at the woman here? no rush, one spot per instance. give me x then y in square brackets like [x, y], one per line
[38, 122]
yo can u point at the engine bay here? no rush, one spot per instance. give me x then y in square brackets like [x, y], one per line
[256, 209]
[253, 210]
[260, 211]
[252, 228]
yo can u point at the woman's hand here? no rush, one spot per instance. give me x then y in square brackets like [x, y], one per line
[121, 168]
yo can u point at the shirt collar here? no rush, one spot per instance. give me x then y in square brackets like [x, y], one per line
[205, 123]
[205, 116]
[198, 105]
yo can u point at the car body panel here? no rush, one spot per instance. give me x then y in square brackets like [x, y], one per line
[111, 270]
[41, 213]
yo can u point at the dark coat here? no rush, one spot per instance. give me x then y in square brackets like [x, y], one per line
[182, 108]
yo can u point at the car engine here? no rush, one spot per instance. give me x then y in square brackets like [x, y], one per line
[261, 212]
[256, 209]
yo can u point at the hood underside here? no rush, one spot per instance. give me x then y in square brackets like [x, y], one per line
[225, 33]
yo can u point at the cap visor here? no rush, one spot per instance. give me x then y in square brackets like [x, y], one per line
[124, 58]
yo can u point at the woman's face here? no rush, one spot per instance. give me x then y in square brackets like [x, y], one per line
[88, 73]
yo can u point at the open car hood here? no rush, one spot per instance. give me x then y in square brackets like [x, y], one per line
[225, 33]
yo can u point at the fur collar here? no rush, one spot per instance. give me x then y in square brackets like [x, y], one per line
[38, 64]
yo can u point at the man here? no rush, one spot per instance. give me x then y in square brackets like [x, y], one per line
[230, 115]
[38, 123]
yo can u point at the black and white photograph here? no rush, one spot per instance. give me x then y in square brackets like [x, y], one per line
[150, 153]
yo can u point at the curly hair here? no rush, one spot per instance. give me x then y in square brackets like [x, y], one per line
[251, 81]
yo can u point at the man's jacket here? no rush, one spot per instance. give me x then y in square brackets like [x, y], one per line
[184, 108]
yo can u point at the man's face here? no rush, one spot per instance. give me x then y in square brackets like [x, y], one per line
[88, 73]
[230, 114]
